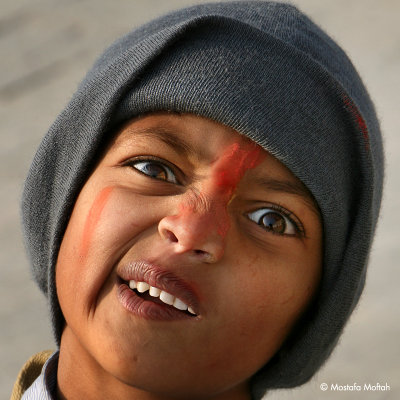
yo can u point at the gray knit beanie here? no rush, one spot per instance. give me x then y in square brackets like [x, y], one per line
[266, 70]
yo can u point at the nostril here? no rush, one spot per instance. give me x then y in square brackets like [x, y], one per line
[170, 236]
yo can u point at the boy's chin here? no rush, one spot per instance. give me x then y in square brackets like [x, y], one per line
[124, 370]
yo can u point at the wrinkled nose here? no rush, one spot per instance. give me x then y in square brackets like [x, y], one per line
[197, 230]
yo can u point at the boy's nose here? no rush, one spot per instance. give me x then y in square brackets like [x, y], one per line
[197, 229]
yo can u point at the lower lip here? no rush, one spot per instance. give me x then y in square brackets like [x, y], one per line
[148, 309]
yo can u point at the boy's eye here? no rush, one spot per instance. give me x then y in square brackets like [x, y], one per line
[155, 169]
[274, 221]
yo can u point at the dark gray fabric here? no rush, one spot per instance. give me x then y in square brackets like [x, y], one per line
[266, 70]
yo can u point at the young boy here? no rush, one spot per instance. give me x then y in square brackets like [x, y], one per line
[200, 215]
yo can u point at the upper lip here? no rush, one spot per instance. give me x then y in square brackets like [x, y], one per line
[157, 276]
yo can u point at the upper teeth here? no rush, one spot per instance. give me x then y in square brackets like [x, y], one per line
[164, 296]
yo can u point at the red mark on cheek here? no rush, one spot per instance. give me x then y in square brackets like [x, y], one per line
[93, 218]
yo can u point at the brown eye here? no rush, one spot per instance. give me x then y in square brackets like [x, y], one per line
[155, 170]
[273, 221]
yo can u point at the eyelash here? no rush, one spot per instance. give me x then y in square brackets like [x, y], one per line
[287, 216]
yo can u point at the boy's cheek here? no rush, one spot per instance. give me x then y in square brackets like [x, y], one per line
[253, 314]
[267, 297]
[100, 232]
[92, 219]
[114, 217]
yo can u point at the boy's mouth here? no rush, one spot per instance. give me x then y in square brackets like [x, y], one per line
[158, 296]
[154, 292]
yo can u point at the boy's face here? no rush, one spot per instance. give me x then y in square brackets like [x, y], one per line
[190, 207]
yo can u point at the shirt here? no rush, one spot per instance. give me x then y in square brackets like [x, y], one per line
[45, 385]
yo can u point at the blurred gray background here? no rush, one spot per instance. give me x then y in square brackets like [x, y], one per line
[46, 46]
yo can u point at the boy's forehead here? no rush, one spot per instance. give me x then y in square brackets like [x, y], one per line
[190, 135]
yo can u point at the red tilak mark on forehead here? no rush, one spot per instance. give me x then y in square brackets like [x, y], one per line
[208, 209]
[93, 218]
[229, 170]
[234, 163]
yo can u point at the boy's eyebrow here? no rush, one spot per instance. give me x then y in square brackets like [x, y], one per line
[291, 187]
[184, 148]
[167, 136]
